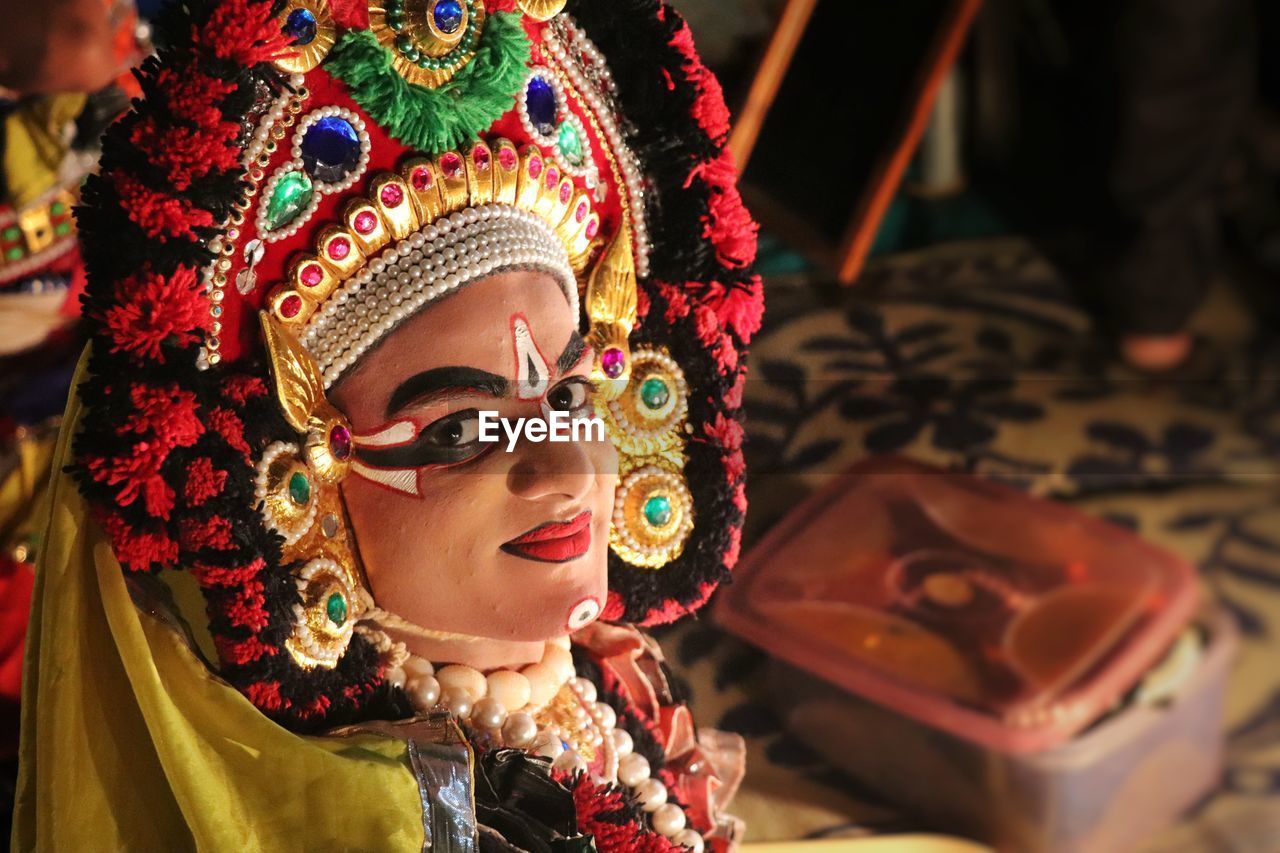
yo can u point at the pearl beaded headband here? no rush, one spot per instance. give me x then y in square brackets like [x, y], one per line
[464, 247]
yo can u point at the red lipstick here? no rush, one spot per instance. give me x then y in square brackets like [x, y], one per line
[555, 541]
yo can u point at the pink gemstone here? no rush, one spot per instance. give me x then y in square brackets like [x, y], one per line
[613, 362]
[566, 192]
[366, 222]
[507, 158]
[451, 165]
[481, 157]
[339, 248]
[340, 441]
[553, 178]
[291, 306]
[391, 195]
[535, 167]
[593, 228]
[311, 275]
[422, 179]
[581, 213]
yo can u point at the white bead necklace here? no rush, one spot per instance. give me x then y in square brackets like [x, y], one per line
[584, 724]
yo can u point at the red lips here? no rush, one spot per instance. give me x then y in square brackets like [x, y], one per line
[555, 541]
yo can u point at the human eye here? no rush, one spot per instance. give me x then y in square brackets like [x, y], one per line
[574, 395]
[457, 430]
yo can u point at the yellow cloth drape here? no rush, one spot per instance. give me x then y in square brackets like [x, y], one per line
[128, 741]
[35, 144]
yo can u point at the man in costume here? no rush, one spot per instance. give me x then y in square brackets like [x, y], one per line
[290, 598]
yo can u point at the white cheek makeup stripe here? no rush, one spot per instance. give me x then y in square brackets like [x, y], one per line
[400, 432]
[403, 480]
[583, 614]
[532, 373]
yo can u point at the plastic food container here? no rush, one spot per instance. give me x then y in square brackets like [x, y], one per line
[1006, 620]
[973, 654]
[1107, 791]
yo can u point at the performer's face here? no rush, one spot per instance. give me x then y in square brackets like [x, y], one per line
[461, 535]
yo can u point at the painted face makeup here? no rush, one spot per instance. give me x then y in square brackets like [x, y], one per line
[462, 536]
[394, 454]
[555, 541]
[532, 374]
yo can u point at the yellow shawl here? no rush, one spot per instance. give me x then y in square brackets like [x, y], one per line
[129, 742]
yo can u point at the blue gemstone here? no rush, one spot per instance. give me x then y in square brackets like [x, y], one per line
[300, 27]
[331, 149]
[542, 105]
[447, 15]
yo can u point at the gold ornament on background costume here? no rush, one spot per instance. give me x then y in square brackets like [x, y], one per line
[313, 34]
[297, 486]
[422, 192]
[427, 47]
[541, 10]
[653, 507]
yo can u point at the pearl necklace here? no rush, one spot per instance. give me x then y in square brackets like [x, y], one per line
[557, 716]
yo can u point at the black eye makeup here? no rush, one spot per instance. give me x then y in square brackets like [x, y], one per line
[449, 440]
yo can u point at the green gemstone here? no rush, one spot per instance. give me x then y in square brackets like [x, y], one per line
[336, 607]
[570, 144]
[657, 510]
[299, 489]
[12, 233]
[13, 254]
[654, 393]
[291, 195]
[396, 24]
[57, 208]
[62, 228]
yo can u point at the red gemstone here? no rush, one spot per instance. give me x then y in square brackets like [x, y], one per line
[366, 222]
[581, 213]
[535, 167]
[481, 156]
[593, 228]
[340, 441]
[339, 248]
[566, 192]
[553, 178]
[391, 195]
[451, 165]
[422, 179]
[311, 275]
[507, 158]
[291, 306]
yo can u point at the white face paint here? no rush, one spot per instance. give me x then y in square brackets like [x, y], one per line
[532, 373]
[403, 480]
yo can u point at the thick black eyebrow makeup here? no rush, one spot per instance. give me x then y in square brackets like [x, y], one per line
[446, 379]
[572, 353]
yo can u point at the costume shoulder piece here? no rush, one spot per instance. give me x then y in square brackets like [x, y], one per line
[250, 237]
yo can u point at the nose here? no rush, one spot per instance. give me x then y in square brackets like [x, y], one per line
[562, 470]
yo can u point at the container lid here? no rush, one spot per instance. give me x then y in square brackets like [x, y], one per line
[1005, 619]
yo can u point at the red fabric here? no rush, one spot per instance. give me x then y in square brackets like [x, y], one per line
[16, 580]
[161, 216]
[151, 310]
[203, 482]
[139, 550]
[241, 31]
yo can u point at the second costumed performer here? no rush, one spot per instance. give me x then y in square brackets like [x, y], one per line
[289, 599]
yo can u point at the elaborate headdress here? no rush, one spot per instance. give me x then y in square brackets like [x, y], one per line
[302, 177]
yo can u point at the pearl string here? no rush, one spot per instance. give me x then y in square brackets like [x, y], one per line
[482, 701]
[456, 250]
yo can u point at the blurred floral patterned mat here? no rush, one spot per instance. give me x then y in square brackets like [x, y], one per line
[977, 358]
